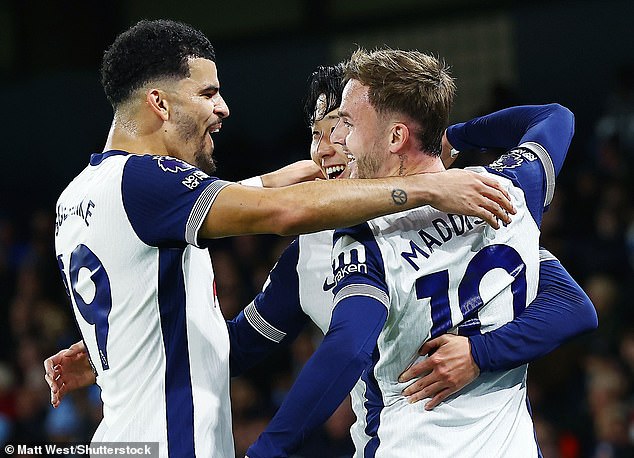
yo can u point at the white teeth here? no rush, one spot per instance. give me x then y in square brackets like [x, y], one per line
[335, 169]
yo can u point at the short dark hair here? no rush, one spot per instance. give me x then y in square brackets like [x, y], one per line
[150, 50]
[327, 80]
[408, 82]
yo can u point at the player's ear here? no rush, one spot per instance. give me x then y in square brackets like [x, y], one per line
[158, 103]
[398, 137]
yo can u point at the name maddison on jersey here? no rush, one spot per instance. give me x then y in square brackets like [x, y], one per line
[349, 261]
[81, 209]
[443, 229]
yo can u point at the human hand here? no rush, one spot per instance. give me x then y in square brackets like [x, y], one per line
[463, 192]
[297, 172]
[448, 369]
[68, 370]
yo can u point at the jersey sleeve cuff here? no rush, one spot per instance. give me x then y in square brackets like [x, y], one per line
[200, 209]
[363, 290]
[262, 326]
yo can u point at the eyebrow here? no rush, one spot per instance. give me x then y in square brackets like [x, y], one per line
[210, 88]
[343, 114]
[333, 116]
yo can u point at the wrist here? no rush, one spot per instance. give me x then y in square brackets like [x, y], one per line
[257, 182]
[476, 347]
[428, 190]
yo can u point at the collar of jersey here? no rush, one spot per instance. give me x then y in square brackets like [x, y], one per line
[98, 158]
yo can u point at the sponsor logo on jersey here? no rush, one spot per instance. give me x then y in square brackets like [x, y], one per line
[193, 180]
[171, 164]
[349, 261]
[513, 159]
[329, 283]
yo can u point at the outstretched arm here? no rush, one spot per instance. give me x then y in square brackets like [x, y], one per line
[297, 172]
[328, 204]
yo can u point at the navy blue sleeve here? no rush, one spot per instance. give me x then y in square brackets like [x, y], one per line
[551, 126]
[332, 371]
[167, 200]
[274, 317]
[539, 135]
[560, 311]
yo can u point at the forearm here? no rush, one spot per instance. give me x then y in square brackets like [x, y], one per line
[552, 126]
[328, 204]
[326, 379]
[247, 346]
[560, 311]
[312, 206]
[274, 317]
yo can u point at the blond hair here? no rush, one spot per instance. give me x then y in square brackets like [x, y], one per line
[407, 82]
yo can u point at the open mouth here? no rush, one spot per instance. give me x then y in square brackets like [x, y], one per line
[334, 171]
[214, 129]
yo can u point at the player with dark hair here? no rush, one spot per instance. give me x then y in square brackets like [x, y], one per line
[354, 339]
[278, 314]
[132, 228]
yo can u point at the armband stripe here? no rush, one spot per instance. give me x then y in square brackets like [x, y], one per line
[363, 290]
[549, 168]
[261, 325]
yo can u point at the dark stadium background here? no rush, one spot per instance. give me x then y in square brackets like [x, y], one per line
[53, 114]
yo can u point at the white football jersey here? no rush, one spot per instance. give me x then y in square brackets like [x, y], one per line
[143, 294]
[439, 273]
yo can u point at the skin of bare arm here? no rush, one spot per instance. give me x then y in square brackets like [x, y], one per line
[319, 205]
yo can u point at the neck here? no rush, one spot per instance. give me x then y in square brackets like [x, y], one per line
[134, 136]
[415, 162]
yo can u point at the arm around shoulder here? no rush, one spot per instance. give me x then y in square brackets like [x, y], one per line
[319, 205]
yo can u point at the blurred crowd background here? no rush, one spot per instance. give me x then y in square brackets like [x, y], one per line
[577, 53]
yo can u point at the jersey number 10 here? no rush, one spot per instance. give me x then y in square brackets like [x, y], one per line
[436, 287]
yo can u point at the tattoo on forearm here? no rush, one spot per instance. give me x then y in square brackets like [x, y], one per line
[399, 196]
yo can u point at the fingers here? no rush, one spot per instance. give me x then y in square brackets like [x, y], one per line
[438, 398]
[423, 367]
[489, 218]
[498, 201]
[75, 349]
[428, 391]
[499, 194]
[415, 370]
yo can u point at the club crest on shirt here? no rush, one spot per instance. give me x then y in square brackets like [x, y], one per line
[171, 164]
[513, 159]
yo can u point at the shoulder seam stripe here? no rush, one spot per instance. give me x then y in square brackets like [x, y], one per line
[549, 168]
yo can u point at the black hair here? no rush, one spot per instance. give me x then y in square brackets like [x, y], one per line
[324, 80]
[150, 50]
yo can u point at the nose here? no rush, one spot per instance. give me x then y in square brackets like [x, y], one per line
[338, 134]
[221, 109]
[325, 147]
